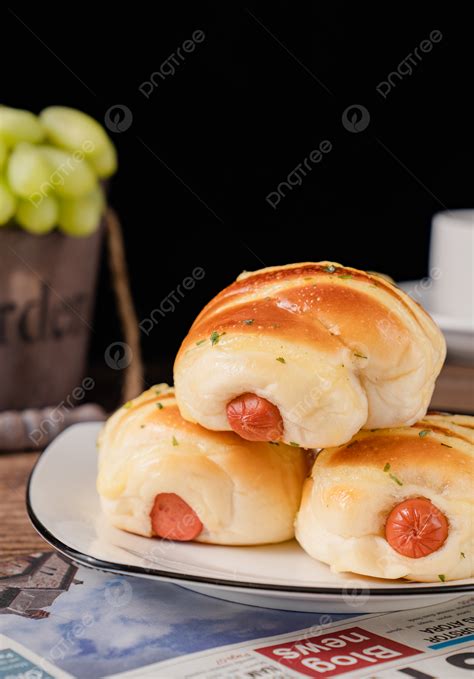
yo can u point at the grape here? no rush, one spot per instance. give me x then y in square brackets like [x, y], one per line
[17, 125]
[38, 218]
[74, 130]
[7, 203]
[3, 153]
[104, 162]
[71, 175]
[28, 171]
[81, 216]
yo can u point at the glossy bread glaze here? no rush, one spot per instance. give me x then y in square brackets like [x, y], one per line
[243, 493]
[333, 348]
[356, 490]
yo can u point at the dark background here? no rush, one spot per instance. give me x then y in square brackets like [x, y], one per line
[264, 88]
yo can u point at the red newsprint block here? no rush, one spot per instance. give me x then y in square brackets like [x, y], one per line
[336, 652]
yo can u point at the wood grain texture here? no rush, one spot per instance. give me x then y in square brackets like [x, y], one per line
[17, 535]
[454, 392]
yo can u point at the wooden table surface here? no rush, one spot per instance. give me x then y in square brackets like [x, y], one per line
[454, 392]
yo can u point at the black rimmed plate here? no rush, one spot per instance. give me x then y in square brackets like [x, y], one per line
[63, 506]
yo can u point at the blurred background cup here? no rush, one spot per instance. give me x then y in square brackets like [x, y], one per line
[452, 264]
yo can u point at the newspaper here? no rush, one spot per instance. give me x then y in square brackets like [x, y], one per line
[60, 620]
[431, 642]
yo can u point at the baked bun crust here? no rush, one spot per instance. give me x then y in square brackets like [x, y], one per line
[353, 488]
[243, 493]
[334, 348]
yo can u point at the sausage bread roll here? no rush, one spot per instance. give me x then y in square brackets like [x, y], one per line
[162, 476]
[395, 503]
[308, 354]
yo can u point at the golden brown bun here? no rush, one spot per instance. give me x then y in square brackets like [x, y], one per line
[358, 352]
[244, 493]
[354, 487]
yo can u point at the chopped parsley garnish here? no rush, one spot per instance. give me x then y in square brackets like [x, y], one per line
[200, 342]
[308, 278]
[128, 404]
[446, 445]
[249, 321]
[345, 275]
[281, 359]
[274, 443]
[215, 336]
[442, 577]
[359, 355]
[329, 269]
[423, 433]
[392, 476]
[157, 392]
[293, 443]
[463, 556]
[160, 406]
[174, 440]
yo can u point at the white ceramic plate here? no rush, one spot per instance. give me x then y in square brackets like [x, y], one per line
[459, 332]
[64, 507]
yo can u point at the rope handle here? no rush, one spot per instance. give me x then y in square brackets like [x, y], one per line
[133, 378]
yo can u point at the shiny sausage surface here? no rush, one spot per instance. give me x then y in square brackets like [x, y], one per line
[172, 518]
[254, 418]
[416, 528]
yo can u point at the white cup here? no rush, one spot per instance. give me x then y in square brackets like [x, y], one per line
[452, 264]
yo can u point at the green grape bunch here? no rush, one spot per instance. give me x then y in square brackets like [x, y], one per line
[51, 169]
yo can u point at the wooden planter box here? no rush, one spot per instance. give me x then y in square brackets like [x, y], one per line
[47, 291]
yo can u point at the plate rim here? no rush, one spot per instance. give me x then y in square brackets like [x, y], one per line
[100, 564]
